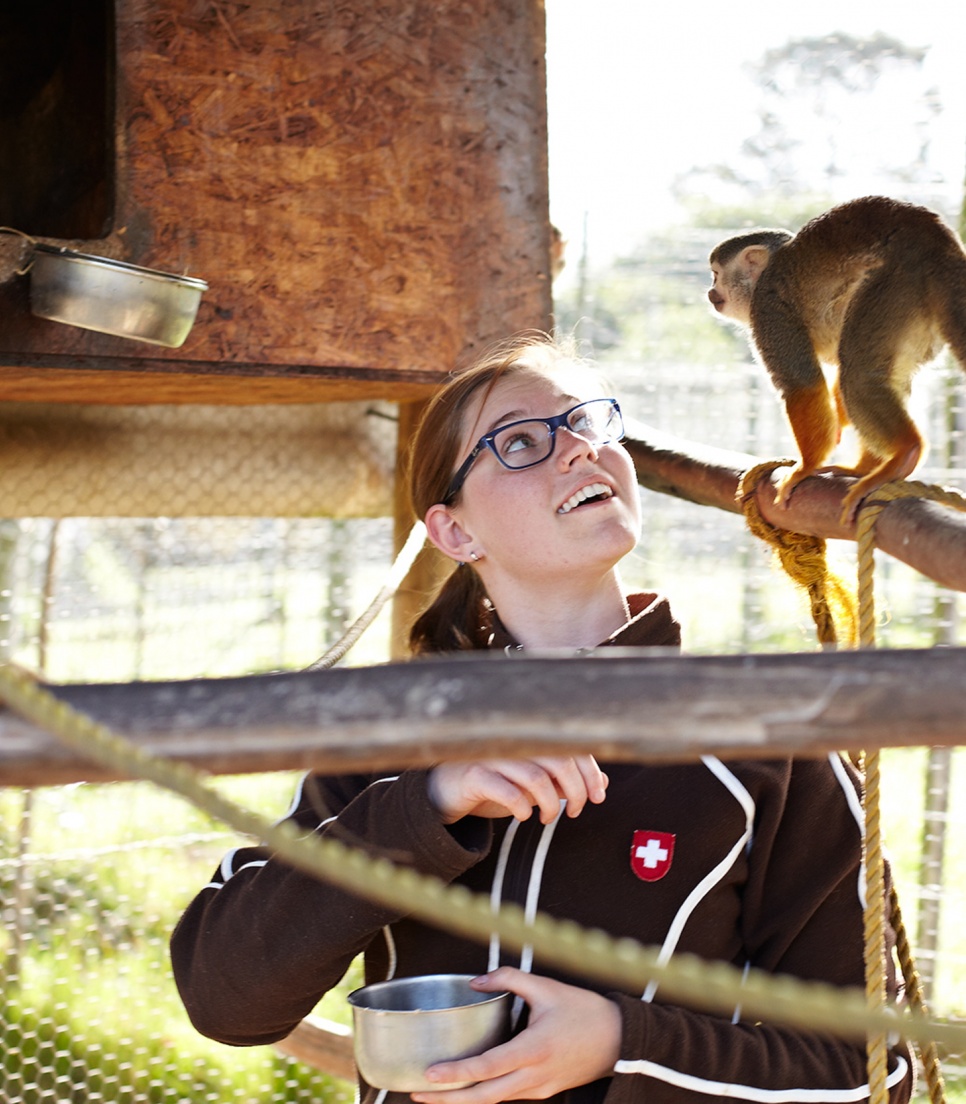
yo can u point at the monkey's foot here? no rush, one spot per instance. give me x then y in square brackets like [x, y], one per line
[893, 468]
[786, 486]
[854, 498]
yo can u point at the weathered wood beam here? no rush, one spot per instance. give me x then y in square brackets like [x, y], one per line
[619, 703]
[323, 1044]
[925, 535]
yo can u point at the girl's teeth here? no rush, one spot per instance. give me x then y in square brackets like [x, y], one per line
[583, 494]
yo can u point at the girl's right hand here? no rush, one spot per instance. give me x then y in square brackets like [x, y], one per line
[496, 788]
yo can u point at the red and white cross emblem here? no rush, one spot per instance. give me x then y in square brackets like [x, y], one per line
[651, 854]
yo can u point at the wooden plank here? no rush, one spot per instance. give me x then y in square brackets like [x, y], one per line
[619, 703]
[322, 1044]
[364, 189]
[144, 381]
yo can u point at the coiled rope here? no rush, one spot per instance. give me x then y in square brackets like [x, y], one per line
[803, 558]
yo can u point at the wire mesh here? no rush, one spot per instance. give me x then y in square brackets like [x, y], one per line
[93, 877]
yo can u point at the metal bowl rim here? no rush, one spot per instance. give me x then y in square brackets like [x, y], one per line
[113, 265]
[486, 998]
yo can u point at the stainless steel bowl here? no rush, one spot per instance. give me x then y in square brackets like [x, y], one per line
[113, 297]
[402, 1027]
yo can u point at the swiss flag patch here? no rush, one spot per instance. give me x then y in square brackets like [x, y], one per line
[651, 854]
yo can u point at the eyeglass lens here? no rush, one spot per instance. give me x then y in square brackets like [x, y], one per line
[525, 443]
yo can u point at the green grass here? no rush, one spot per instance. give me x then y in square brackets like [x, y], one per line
[89, 1011]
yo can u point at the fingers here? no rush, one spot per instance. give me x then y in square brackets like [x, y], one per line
[496, 1074]
[531, 988]
[579, 780]
[545, 781]
[514, 787]
[488, 1088]
[485, 789]
[573, 1038]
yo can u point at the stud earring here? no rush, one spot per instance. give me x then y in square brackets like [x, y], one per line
[474, 557]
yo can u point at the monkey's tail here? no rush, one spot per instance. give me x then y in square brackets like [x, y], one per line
[949, 295]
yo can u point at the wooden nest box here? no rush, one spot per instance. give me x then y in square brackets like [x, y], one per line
[362, 183]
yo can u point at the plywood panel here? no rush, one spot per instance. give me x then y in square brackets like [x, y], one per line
[363, 185]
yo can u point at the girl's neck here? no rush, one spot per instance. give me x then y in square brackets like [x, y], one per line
[554, 618]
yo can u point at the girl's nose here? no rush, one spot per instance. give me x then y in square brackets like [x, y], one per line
[571, 445]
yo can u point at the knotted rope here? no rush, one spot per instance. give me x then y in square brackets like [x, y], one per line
[803, 559]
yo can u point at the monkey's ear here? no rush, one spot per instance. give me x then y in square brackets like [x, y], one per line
[753, 260]
[446, 533]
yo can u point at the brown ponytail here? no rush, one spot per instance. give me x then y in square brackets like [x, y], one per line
[458, 619]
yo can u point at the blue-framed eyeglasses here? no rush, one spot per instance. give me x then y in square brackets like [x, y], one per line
[522, 444]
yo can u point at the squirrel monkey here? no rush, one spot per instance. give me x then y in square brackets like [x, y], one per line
[874, 287]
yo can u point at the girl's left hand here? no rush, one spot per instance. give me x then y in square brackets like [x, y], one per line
[572, 1037]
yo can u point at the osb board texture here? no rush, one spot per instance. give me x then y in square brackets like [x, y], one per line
[363, 184]
[315, 460]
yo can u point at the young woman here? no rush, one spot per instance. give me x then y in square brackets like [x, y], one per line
[520, 476]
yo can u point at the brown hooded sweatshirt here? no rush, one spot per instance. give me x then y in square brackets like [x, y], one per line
[755, 863]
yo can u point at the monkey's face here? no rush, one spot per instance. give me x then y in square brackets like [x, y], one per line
[730, 292]
[733, 281]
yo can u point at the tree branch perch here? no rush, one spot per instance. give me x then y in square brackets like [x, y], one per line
[928, 536]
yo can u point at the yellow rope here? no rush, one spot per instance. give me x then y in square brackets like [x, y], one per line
[877, 1043]
[869, 514]
[928, 1050]
[803, 558]
[711, 985]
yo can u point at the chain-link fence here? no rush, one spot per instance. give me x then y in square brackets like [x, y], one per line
[93, 877]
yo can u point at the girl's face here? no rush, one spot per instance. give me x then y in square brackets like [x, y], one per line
[535, 521]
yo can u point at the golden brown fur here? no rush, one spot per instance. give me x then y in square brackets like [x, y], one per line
[874, 287]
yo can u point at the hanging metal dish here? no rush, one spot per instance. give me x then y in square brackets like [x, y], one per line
[113, 297]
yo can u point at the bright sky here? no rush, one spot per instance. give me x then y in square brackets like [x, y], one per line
[639, 91]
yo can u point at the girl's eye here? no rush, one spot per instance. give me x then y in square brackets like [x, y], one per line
[516, 441]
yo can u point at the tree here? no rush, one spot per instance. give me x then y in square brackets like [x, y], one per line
[835, 111]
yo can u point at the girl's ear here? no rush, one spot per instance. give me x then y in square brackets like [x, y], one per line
[446, 533]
